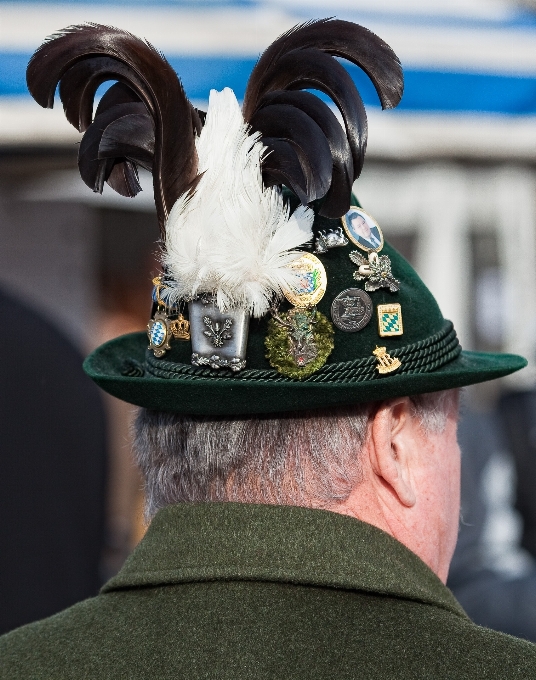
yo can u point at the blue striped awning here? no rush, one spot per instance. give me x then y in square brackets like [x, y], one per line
[441, 74]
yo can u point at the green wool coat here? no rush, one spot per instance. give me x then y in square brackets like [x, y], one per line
[231, 591]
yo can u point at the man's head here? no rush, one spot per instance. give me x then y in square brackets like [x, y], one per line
[394, 464]
[232, 369]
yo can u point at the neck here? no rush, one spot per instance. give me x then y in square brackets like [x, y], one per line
[402, 524]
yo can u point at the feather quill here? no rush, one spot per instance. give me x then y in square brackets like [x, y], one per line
[232, 236]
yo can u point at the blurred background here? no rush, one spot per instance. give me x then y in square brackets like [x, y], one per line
[450, 176]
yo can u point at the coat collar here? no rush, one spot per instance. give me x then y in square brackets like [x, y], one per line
[233, 541]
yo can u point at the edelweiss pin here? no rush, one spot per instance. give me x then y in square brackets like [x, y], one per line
[376, 270]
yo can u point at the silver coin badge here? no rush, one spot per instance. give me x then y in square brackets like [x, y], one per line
[351, 310]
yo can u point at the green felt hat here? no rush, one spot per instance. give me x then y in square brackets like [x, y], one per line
[430, 355]
[226, 233]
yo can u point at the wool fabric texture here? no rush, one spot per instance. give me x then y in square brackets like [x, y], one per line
[233, 591]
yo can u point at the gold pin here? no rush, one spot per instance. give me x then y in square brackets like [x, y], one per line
[386, 363]
[390, 320]
[161, 328]
[363, 230]
[180, 328]
[310, 282]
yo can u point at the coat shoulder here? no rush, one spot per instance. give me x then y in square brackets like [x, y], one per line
[41, 649]
[240, 630]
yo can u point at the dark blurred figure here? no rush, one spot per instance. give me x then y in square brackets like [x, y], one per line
[52, 471]
[492, 577]
[518, 414]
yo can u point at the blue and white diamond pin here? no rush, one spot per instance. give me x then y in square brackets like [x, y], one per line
[159, 334]
[390, 320]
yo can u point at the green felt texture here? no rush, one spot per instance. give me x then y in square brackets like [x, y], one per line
[235, 592]
[421, 316]
[221, 396]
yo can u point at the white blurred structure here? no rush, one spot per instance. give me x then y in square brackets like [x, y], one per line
[453, 166]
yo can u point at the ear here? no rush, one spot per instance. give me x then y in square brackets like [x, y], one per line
[392, 447]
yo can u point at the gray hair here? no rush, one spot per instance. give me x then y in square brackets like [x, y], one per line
[307, 458]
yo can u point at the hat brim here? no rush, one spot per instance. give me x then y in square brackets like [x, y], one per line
[232, 396]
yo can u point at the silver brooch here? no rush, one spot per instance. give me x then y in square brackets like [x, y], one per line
[329, 238]
[351, 310]
[376, 270]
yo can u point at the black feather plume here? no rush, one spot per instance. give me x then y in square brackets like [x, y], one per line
[80, 58]
[301, 59]
[337, 199]
[131, 136]
[282, 165]
[290, 123]
[117, 94]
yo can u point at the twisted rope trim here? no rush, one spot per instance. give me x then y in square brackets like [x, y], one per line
[423, 356]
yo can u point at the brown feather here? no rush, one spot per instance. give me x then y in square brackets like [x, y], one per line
[117, 94]
[131, 136]
[338, 38]
[282, 164]
[124, 179]
[82, 57]
[290, 123]
[337, 199]
[303, 58]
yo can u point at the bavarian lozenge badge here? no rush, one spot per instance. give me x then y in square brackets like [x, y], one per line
[390, 320]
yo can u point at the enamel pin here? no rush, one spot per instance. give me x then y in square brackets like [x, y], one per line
[299, 341]
[159, 333]
[309, 283]
[363, 230]
[390, 320]
[161, 328]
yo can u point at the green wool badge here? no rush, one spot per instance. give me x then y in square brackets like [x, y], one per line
[299, 342]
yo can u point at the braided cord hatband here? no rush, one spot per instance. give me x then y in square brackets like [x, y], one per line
[420, 357]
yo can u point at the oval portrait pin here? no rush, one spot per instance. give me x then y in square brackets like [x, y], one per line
[363, 230]
[351, 310]
[310, 281]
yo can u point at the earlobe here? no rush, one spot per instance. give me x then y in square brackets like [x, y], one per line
[391, 450]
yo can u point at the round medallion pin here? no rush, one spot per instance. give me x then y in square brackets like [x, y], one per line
[351, 310]
[310, 281]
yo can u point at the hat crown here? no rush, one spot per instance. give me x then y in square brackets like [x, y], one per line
[421, 313]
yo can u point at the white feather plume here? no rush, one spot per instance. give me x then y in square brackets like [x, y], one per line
[233, 237]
